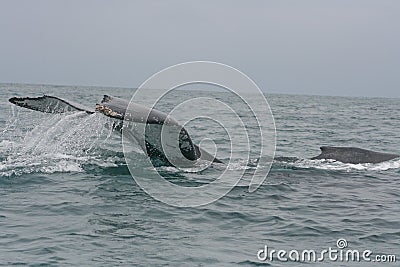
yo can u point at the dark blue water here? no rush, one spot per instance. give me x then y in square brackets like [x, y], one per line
[68, 198]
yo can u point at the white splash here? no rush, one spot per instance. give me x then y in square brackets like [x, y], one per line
[339, 166]
[54, 143]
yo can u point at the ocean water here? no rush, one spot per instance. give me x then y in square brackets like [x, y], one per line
[68, 198]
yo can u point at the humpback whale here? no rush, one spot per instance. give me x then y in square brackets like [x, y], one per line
[353, 155]
[121, 110]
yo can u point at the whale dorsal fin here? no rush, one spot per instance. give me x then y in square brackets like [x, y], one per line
[48, 104]
[325, 148]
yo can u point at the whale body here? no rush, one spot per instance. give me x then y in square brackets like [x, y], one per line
[354, 155]
[155, 120]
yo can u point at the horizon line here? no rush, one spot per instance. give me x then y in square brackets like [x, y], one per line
[126, 87]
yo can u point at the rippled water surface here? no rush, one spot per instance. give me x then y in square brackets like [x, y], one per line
[67, 196]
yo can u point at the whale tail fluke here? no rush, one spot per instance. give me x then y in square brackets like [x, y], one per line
[48, 104]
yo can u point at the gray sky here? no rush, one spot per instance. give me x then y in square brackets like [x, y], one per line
[340, 47]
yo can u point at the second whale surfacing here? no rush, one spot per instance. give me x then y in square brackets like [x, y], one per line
[354, 155]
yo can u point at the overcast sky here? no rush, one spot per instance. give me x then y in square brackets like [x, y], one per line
[340, 47]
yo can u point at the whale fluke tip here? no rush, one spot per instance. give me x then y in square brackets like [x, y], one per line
[48, 104]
